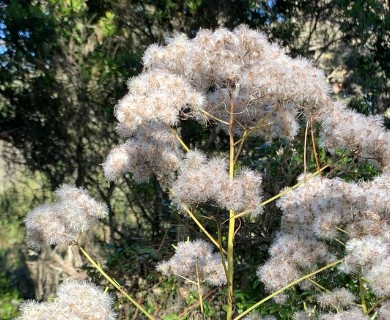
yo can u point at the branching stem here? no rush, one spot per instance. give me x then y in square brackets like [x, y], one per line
[313, 141]
[284, 191]
[114, 283]
[198, 285]
[174, 132]
[293, 283]
[377, 304]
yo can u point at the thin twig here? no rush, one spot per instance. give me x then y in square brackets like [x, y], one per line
[305, 149]
[163, 240]
[318, 285]
[186, 209]
[313, 141]
[221, 249]
[377, 304]
[362, 294]
[291, 284]
[113, 282]
[213, 117]
[285, 191]
[185, 311]
[199, 287]
[174, 132]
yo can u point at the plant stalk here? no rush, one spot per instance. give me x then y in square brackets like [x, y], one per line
[362, 293]
[114, 283]
[232, 219]
[199, 288]
[293, 283]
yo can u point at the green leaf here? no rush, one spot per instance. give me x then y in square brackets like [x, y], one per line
[170, 316]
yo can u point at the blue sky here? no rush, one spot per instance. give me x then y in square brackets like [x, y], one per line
[2, 36]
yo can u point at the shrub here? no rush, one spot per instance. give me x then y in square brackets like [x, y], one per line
[238, 81]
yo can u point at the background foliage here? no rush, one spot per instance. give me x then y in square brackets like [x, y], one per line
[64, 65]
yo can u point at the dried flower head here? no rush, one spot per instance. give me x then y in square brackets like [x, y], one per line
[305, 315]
[195, 261]
[379, 277]
[384, 311]
[337, 299]
[218, 71]
[201, 180]
[257, 316]
[75, 301]
[320, 209]
[364, 253]
[152, 150]
[85, 300]
[346, 129]
[62, 221]
[353, 313]
[155, 95]
[31, 310]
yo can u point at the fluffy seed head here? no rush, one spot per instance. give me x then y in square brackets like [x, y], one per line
[201, 180]
[337, 299]
[353, 313]
[379, 277]
[257, 316]
[85, 300]
[364, 253]
[195, 258]
[74, 301]
[62, 221]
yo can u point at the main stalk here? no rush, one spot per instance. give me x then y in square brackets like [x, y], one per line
[230, 250]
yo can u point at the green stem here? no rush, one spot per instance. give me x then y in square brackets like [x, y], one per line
[232, 219]
[201, 227]
[259, 124]
[377, 304]
[221, 250]
[199, 224]
[199, 288]
[114, 283]
[342, 230]
[213, 117]
[318, 285]
[230, 264]
[330, 265]
[174, 132]
[284, 191]
[362, 292]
